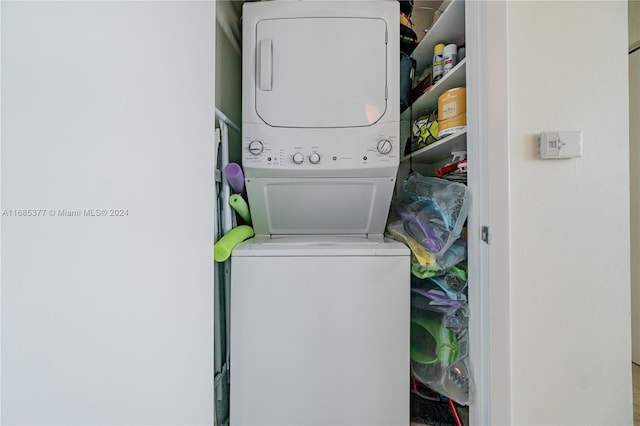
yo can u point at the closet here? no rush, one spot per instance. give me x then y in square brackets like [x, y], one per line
[446, 23]
[435, 161]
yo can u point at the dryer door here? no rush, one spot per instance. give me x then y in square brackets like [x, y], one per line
[321, 72]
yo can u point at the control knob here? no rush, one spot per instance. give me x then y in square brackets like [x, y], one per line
[298, 158]
[384, 146]
[256, 147]
[314, 158]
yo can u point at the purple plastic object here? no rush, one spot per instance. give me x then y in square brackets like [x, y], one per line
[437, 298]
[235, 177]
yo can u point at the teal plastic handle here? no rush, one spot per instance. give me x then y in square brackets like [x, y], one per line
[225, 245]
[240, 205]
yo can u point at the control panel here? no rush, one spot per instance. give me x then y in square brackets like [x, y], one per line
[262, 152]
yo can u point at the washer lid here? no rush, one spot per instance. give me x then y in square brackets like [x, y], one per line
[320, 245]
[321, 72]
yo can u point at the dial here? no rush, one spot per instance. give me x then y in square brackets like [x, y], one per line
[256, 147]
[298, 158]
[314, 158]
[384, 146]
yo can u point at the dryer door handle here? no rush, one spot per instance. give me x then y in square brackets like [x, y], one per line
[265, 64]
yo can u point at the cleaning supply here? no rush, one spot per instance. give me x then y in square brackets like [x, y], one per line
[235, 177]
[452, 111]
[240, 206]
[449, 58]
[459, 159]
[438, 62]
[225, 245]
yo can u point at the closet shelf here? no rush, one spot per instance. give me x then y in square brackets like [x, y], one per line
[448, 28]
[428, 101]
[440, 150]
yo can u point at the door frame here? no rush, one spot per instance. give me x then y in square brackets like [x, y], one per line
[489, 265]
[634, 193]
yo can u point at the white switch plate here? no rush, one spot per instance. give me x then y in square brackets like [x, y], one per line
[562, 144]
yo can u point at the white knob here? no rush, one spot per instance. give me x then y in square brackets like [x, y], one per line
[314, 158]
[256, 147]
[298, 158]
[384, 146]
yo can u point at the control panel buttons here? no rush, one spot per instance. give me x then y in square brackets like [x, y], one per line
[298, 158]
[256, 147]
[314, 158]
[384, 146]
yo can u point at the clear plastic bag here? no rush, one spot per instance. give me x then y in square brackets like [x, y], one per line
[455, 312]
[439, 343]
[456, 254]
[425, 264]
[432, 211]
[428, 216]
[453, 381]
[453, 280]
[419, 254]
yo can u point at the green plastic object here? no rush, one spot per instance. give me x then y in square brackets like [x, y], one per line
[225, 245]
[432, 342]
[240, 205]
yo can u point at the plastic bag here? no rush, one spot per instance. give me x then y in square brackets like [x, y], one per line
[453, 381]
[439, 342]
[456, 254]
[454, 313]
[432, 211]
[453, 281]
[425, 264]
[419, 254]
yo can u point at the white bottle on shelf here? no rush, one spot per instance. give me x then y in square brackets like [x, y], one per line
[449, 57]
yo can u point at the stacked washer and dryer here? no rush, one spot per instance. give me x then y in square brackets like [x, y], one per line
[320, 300]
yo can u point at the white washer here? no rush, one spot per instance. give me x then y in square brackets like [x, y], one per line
[320, 332]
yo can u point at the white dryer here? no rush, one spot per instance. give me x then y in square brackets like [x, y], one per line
[320, 301]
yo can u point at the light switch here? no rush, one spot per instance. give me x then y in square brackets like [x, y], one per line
[562, 144]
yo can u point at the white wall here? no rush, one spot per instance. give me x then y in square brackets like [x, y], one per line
[107, 320]
[567, 69]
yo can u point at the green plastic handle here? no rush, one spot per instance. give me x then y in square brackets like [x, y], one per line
[240, 205]
[225, 245]
[432, 342]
